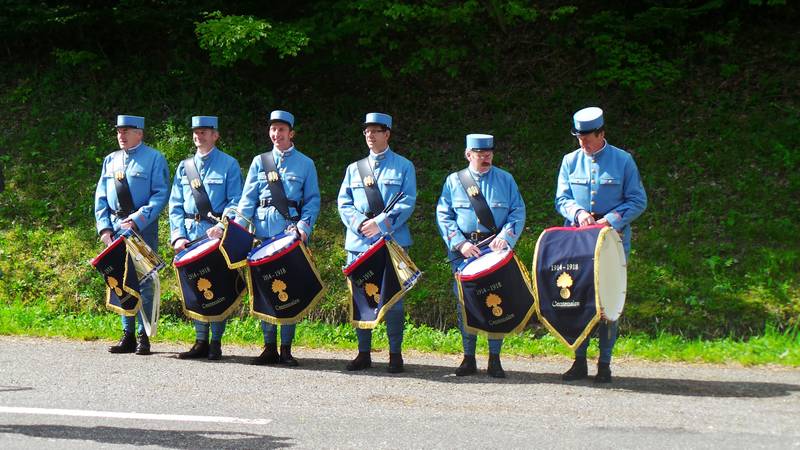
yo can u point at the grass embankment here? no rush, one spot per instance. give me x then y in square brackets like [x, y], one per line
[771, 347]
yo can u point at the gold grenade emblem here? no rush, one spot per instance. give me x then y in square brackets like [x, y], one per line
[279, 287]
[373, 291]
[369, 181]
[114, 284]
[272, 176]
[472, 191]
[119, 175]
[205, 287]
[564, 281]
[493, 301]
[196, 183]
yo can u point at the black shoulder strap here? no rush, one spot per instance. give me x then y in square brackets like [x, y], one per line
[477, 200]
[275, 185]
[121, 184]
[199, 193]
[374, 198]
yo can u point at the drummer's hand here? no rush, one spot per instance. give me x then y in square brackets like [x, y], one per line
[369, 228]
[469, 250]
[603, 315]
[498, 244]
[585, 219]
[180, 244]
[107, 237]
[303, 235]
[214, 233]
[127, 224]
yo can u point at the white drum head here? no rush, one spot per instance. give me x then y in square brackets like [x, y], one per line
[612, 276]
[272, 248]
[484, 262]
[200, 249]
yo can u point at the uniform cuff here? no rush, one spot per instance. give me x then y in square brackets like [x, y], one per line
[380, 220]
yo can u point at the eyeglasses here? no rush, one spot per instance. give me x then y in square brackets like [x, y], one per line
[483, 154]
[368, 132]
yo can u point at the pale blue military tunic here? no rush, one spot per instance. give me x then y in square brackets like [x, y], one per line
[393, 174]
[456, 217]
[606, 184]
[300, 182]
[222, 181]
[148, 179]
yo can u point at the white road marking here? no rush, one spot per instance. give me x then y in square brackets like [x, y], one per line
[130, 415]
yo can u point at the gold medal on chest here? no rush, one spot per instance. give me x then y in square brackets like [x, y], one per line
[196, 183]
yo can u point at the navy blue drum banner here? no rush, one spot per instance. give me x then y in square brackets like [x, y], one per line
[495, 293]
[574, 269]
[284, 283]
[377, 279]
[115, 264]
[210, 289]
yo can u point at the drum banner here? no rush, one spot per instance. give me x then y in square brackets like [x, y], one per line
[285, 286]
[565, 282]
[122, 285]
[236, 244]
[497, 301]
[374, 286]
[210, 290]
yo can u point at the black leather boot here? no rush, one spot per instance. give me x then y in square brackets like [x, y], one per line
[143, 346]
[468, 366]
[603, 373]
[268, 356]
[126, 344]
[578, 371]
[395, 363]
[361, 362]
[198, 350]
[286, 356]
[215, 350]
[495, 369]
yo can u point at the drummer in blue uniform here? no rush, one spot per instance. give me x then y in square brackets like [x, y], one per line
[393, 174]
[221, 180]
[299, 178]
[461, 230]
[147, 175]
[598, 184]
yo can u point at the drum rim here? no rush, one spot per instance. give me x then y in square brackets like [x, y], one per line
[107, 250]
[362, 257]
[274, 256]
[180, 262]
[489, 270]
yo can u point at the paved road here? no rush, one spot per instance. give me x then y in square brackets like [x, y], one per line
[72, 389]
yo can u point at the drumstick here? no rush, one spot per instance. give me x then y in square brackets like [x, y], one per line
[480, 244]
[393, 201]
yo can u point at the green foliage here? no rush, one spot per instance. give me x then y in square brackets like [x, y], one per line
[233, 38]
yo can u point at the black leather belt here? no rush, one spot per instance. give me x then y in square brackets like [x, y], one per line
[264, 202]
[197, 218]
[476, 236]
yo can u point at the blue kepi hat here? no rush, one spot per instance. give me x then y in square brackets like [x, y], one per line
[204, 122]
[479, 142]
[281, 116]
[378, 119]
[124, 121]
[587, 120]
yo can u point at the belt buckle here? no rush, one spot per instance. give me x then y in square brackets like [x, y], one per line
[474, 236]
[197, 217]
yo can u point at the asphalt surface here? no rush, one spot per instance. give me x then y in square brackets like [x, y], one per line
[68, 394]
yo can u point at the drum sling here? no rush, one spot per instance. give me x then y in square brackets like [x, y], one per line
[124, 197]
[374, 198]
[275, 186]
[201, 200]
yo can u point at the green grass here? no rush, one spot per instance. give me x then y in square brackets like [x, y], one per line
[772, 347]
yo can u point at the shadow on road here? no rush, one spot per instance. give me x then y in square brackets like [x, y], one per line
[184, 439]
[665, 386]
